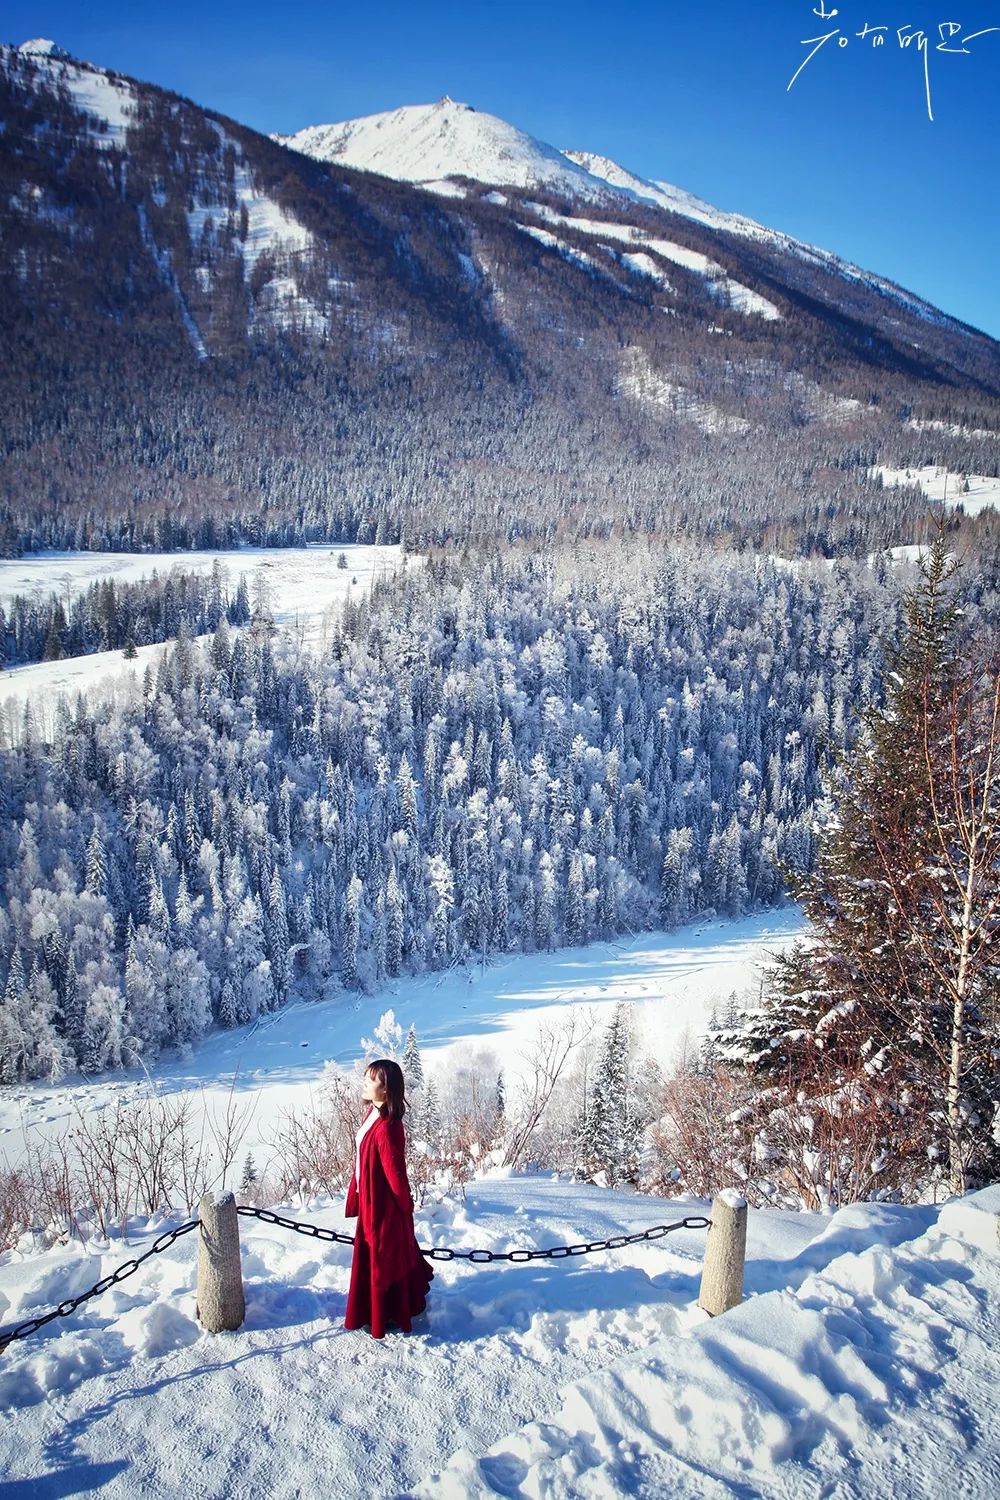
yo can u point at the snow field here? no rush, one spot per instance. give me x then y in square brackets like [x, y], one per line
[304, 586]
[873, 1374]
[293, 1402]
[861, 1364]
[944, 487]
[739, 297]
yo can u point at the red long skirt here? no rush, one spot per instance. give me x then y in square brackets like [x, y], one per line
[397, 1303]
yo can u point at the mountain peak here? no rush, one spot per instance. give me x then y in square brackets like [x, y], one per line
[41, 46]
[430, 143]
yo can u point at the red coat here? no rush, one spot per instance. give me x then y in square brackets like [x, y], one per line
[383, 1203]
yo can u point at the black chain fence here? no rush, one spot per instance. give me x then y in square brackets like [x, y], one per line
[22, 1330]
[482, 1257]
[318, 1232]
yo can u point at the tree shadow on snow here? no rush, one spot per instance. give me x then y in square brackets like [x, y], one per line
[75, 1479]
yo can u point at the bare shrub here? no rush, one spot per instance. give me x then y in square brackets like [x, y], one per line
[17, 1206]
[441, 1168]
[700, 1142]
[315, 1146]
[228, 1127]
[546, 1058]
[834, 1148]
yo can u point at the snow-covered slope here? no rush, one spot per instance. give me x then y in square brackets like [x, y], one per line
[674, 199]
[677, 201]
[110, 101]
[427, 143]
[862, 1364]
[432, 144]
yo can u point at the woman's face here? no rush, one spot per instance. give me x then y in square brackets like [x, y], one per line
[372, 1090]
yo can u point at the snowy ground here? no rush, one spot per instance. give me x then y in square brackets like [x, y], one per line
[672, 979]
[863, 1363]
[940, 485]
[303, 587]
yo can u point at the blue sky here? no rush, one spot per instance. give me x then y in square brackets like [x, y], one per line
[695, 94]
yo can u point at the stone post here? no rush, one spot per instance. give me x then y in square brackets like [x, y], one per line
[725, 1253]
[220, 1275]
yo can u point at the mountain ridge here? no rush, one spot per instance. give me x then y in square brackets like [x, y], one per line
[397, 143]
[406, 361]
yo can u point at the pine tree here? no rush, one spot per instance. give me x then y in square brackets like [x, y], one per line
[12, 1041]
[249, 1177]
[74, 1015]
[413, 1068]
[183, 907]
[97, 864]
[576, 921]
[407, 792]
[394, 924]
[351, 933]
[885, 1009]
[430, 1115]
[609, 1135]
[442, 883]
[277, 936]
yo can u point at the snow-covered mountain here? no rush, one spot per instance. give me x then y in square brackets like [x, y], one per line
[438, 145]
[566, 330]
[430, 143]
[434, 144]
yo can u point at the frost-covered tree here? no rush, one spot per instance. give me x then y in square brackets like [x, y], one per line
[413, 1068]
[608, 1137]
[387, 1037]
[514, 751]
[395, 929]
[351, 933]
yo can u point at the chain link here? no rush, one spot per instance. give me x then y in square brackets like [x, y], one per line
[22, 1330]
[315, 1230]
[318, 1232]
[483, 1257]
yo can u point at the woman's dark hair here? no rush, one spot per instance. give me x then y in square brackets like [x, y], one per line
[390, 1075]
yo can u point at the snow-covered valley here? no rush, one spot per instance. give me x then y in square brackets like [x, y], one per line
[672, 982]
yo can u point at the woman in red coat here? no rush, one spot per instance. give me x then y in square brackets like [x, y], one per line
[389, 1276]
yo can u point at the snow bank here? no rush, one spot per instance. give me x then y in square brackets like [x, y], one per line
[861, 1364]
[873, 1378]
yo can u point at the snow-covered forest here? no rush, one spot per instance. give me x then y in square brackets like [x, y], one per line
[109, 616]
[494, 757]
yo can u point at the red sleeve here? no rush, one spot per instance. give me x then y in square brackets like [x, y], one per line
[392, 1154]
